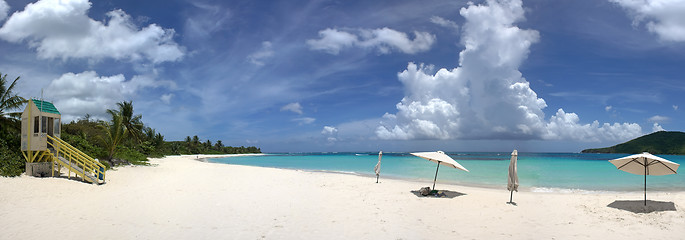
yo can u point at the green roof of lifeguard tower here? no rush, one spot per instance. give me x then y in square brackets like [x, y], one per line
[45, 106]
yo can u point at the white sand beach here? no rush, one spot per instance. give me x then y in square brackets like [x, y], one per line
[181, 198]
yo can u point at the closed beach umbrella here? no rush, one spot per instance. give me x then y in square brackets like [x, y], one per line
[377, 168]
[645, 164]
[440, 158]
[513, 182]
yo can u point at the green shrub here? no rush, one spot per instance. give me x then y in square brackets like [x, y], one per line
[84, 145]
[11, 163]
[132, 156]
[107, 166]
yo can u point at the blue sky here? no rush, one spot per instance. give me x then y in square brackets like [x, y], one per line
[360, 75]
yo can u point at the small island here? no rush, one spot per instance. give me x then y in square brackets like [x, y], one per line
[662, 142]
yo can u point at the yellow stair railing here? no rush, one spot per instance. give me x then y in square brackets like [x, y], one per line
[76, 161]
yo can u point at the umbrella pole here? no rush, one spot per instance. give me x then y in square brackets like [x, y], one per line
[645, 183]
[511, 196]
[436, 175]
[377, 178]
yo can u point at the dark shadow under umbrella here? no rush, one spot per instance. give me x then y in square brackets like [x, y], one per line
[645, 164]
[440, 158]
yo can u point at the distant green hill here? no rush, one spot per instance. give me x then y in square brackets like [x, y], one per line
[662, 142]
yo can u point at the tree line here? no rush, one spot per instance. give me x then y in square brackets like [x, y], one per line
[122, 139]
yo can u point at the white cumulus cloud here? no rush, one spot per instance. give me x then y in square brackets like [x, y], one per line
[83, 93]
[293, 107]
[385, 40]
[329, 130]
[665, 18]
[486, 96]
[62, 29]
[4, 9]
[332, 41]
[330, 133]
[657, 128]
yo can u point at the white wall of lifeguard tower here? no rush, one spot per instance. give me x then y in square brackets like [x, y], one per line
[39, 119]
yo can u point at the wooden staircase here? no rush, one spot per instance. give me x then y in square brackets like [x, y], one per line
[65, 155]
[74, 167]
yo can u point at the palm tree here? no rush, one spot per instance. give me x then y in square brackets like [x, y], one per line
[149, 133]
[132, 123]
[195, 145]
[208, 144]
[114, 132]
[9, 101]
[85, 118]
[159, 140]
[219, 145]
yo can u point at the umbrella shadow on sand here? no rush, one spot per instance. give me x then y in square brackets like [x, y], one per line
[439, 194]
[638, 206]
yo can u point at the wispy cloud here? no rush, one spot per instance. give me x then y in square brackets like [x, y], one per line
[658, 119]
[293, 107]
[304, 120]
[261, 55]
[4, 9]
[205, 20]
[604, 97]
[384, 39]
[451, 25]
[166, 98]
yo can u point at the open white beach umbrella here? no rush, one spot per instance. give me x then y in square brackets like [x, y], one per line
[645, 164]
[513, 180]
[440, 158]
[377, 168]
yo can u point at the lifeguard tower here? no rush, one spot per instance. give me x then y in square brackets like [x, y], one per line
[44, 150]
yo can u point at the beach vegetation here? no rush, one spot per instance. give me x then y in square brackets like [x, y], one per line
[122, 139]
[9, 101]
[208, 144]
[113, 133]
[11, 161]
[115, 145]
[80, 142]
[132, 156]
[190, 147]
[132, 123]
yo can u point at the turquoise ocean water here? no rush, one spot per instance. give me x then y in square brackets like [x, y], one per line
[537, 171]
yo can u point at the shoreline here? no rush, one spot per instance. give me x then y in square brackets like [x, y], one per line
[179, 197]
[542, 190]
[537, 189]
[204, 157]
